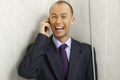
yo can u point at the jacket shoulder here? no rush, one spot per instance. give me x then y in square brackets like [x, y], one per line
[81, 44]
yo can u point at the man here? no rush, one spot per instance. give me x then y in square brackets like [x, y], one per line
[46, 60]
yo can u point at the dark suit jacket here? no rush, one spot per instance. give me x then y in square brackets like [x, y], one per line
[42, 61]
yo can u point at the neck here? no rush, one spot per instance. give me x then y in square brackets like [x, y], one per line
[63, 39]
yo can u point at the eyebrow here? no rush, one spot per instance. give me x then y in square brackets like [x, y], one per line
[64, 14]
[53, 14]
[56, 14]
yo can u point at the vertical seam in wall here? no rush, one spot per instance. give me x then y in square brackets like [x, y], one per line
[91, 37]
[106, 39]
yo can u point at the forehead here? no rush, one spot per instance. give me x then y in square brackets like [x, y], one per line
[60, 9]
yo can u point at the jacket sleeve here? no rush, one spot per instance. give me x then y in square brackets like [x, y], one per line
[30, 65]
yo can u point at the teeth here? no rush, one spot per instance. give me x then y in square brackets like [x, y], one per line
[59, 27]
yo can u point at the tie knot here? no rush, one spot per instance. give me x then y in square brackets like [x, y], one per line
[63, 46]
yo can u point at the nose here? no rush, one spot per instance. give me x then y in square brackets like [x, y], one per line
[58, 20]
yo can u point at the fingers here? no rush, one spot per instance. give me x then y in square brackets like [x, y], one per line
[47, 20]
[45, 27]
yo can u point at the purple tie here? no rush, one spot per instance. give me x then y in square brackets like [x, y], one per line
[64, 58]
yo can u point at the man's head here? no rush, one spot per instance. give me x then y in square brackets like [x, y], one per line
[63, 2]
[61, 18]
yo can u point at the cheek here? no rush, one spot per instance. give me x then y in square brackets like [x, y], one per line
[67, 23]
[52, 22]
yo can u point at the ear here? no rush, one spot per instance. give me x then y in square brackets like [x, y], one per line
[73, 20]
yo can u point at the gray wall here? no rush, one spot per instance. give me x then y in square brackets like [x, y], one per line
[106, 37]
[19, 24]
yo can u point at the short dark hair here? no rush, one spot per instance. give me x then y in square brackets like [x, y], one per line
[61, 2]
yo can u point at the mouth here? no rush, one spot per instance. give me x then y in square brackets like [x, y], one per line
[59, 28]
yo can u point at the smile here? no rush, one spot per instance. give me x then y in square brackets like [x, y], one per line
[59, 28]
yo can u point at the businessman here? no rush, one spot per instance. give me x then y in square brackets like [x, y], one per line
[57, 56]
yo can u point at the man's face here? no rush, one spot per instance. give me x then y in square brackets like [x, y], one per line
[61, 19]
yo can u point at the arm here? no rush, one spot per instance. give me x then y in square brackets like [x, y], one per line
[30, 65]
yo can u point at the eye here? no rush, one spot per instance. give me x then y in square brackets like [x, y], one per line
[54, 16]
[63, 16]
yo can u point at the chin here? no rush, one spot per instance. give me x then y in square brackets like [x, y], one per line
[60, 36]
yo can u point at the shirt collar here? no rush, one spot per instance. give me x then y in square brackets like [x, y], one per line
[58, 43]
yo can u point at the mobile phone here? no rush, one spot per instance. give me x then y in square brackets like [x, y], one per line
[46, 28]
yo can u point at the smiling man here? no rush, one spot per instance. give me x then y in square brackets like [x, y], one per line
[57, 56]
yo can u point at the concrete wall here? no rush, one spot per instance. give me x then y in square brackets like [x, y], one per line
[106, 39]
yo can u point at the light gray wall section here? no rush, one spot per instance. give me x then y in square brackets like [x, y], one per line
[105, 36]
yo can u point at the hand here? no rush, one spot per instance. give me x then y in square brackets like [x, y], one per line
[45, 27]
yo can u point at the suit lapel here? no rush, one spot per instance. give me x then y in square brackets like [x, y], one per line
[75, 60]
[54, 60]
